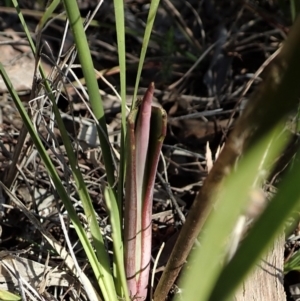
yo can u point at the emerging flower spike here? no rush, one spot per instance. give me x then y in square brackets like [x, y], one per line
[146, 131]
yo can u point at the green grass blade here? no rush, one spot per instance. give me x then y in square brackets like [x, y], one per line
[91, 83]
[8, 296]
[264, 231]
[115, 219]
[149, 25]
[31, 43]
[106, 283]
[120, 28]
[48, 13]
[293, 264]
[220, 223]
[23, 23]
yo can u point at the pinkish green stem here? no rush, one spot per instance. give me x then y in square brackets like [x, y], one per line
[146, 131]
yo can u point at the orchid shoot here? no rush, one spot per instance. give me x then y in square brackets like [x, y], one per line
[146, 131]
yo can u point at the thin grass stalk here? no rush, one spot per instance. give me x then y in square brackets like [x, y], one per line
[114, 216]
[120, 28]
[48, 13]
[21, 139]
[88, 209]
[85, 59]
[87, 66]
[149, 25]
